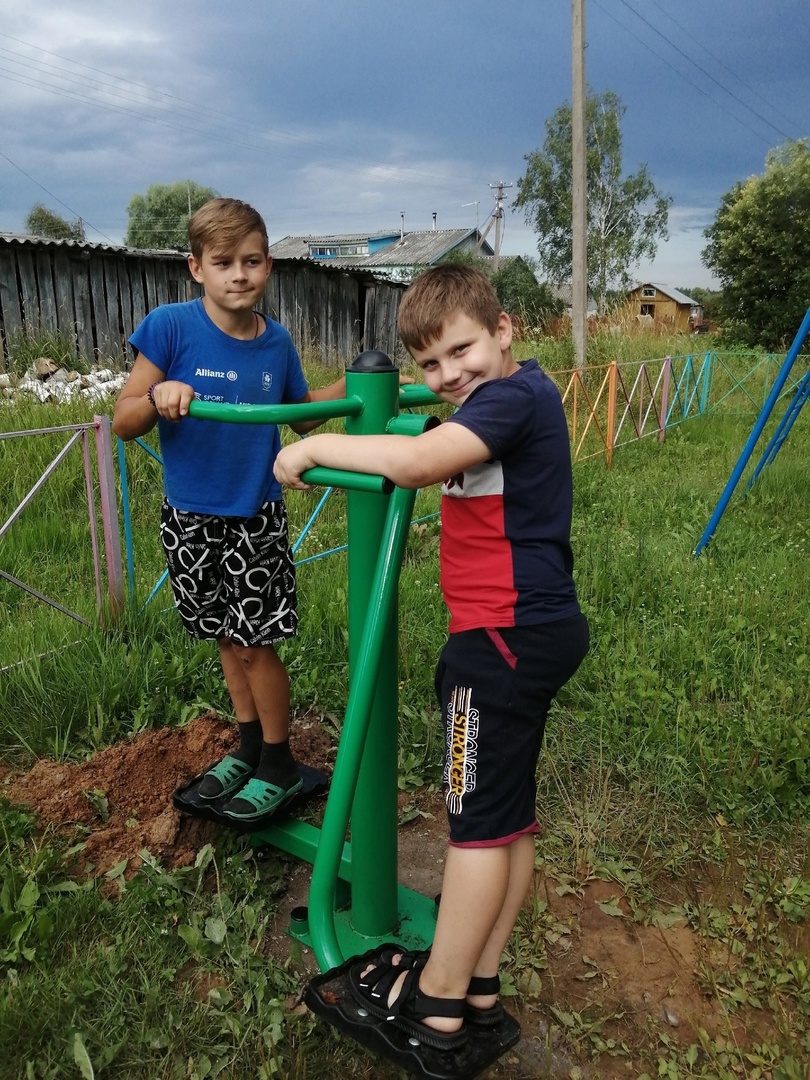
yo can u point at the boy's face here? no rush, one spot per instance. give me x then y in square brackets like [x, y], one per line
[465, 356]
[234, 280]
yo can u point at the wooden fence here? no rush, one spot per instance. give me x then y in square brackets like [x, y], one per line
[95, 295]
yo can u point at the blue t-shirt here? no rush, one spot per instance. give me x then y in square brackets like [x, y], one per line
[209, 466]
[506, 523]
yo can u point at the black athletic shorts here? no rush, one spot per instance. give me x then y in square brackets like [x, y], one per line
[495, 688]
[232, 577]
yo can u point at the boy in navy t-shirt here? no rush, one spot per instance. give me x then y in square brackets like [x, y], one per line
[223, 524]
[516, 632]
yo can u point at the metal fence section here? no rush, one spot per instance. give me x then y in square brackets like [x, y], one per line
[79, 435]
[612, 405]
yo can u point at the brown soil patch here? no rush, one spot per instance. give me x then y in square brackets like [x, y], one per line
[595, 963]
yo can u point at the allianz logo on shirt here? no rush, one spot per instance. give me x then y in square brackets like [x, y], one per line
[209, 373]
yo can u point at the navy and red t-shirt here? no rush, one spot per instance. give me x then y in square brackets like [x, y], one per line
[505, 546]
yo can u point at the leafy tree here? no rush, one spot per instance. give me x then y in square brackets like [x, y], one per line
[43, 222]
[521, 294]
[759, 248]
[626, 217]
[159, 218]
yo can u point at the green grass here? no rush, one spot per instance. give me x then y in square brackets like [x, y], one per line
[680, 745]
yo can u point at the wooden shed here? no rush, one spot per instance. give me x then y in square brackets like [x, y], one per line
[665, 304]
[96, 294]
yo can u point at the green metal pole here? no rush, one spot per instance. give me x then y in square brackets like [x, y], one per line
[370, 869]
[375, 379]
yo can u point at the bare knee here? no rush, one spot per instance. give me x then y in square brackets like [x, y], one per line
[243, 653]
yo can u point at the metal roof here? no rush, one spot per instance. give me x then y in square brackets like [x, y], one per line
[23, 239]
[416, 248]
[673, 294]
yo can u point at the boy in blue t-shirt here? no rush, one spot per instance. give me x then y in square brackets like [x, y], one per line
[516, 633]
[223, 524]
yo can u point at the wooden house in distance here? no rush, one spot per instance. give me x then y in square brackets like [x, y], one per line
[667, 305]
[395, 254]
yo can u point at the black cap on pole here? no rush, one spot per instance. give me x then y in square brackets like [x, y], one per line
[372, 360]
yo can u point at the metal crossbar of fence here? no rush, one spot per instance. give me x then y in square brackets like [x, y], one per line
[79, 434]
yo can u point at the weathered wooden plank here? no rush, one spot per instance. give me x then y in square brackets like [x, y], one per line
[150, 282]
[10, 311]
[135, 272]
[101, 328]
[113, 297]
[63, 292]
[125, 301]
[82, 307]
[29, 297]
[43, 267]
[162, 282]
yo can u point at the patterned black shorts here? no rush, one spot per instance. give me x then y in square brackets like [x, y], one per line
[495, 688]
[232, 577]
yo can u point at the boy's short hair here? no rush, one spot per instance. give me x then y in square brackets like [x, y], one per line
[221, 224]
[436, 294]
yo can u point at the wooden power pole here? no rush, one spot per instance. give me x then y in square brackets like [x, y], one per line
[579, 222]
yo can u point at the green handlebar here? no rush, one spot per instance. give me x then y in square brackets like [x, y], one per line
[377, 485]
[275, 414]
[412, 395]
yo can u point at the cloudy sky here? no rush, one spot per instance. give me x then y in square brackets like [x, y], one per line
[340, 115]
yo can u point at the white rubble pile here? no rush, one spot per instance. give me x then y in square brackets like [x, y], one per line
[46, 381]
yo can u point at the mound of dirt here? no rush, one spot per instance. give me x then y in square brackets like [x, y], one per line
[122, 796]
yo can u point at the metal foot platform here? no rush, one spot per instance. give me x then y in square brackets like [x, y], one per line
[329, 997]
[187, 800]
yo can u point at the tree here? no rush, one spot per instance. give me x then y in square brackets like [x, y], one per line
[759, 248]
[43, 222]
[159, 218]
[522, 296]
[626, 217]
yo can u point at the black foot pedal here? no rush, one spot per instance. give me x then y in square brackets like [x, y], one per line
[187, 800]
[330, 998]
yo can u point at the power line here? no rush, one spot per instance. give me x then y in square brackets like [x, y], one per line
[56, 197]
[719, 62]
[693, 84]
[703, 71]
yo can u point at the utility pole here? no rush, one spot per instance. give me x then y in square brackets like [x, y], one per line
[579, 221]
[496, 217]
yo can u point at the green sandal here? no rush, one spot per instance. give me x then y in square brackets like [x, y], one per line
[258, 798]
[224, 778]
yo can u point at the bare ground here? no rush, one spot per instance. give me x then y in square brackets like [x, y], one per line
[597, 961]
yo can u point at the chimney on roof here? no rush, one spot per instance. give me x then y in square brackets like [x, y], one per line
[401, 224]
[434, 221]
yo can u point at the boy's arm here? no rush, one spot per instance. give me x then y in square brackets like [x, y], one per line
[332, 392]
[135, 414]
[410, 461]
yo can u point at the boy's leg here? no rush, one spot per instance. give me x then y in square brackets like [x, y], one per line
[521, 875]
[259, 687]
[474, 888]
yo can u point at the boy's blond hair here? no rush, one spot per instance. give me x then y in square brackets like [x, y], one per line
[440, 292]
[221, 224]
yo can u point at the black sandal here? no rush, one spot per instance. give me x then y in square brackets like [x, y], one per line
[484, 984]
[411, 1007]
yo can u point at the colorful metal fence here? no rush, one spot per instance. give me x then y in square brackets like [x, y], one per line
[79, 435]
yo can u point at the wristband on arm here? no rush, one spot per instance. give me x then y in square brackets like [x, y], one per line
[150, 393]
